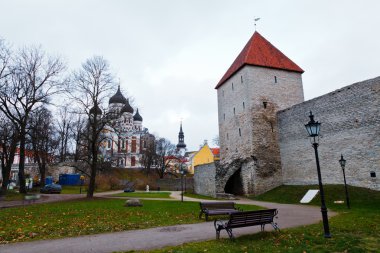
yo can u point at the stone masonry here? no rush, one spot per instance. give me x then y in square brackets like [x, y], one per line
[350, 125]
[204, 179]
[263, 141]
[247, 106]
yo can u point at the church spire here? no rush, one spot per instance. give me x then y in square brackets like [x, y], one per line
[181, 139]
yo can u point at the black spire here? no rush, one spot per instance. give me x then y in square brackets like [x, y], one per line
[181, 139]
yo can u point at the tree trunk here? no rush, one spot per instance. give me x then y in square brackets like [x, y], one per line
[21, 168]
[5, 172]
[43, 174]
[7, 161]
[94, 160]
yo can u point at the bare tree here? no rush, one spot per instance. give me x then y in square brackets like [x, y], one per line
[165, 153]
[215, 141]
[148, 157]
[33, 78]
[90, 85]
[64, 126]
[77, 132]
[5, 58]
[43, 139]
[9, 138]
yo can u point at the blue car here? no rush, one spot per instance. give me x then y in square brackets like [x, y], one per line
[51, 188]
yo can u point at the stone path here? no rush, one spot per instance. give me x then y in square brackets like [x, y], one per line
[145, 239]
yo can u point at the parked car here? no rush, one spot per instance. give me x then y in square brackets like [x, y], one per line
[129, 189]
[51, 188]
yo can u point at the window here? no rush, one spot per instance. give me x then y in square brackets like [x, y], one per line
[227, 136]
[243, 105]
[109, 144]
[224, 116]
[223, 93]
[239, 132]
[232, 86]
[275, 79]
[123, 144]
[133, 161]
[133, 149]
[241, 79]
[265, 104]
[234, 110]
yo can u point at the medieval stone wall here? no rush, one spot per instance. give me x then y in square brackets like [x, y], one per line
[204, 179]
[350, 120]
[174, 184]
[247, 106]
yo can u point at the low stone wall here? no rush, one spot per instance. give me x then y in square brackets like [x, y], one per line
[174, 184]
[350, 126]
[204, 179]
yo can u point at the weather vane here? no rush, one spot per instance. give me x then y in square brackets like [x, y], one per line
[256, 19]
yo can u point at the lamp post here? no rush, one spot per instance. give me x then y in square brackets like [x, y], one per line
[313, 128]
[342, 162]
[81, 183]
[182, 172]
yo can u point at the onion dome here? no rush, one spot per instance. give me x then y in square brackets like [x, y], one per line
[98, 110]
[118, 98]
[126, 108]
[137, 116]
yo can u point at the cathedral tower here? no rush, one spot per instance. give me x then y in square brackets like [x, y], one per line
[260, 82]
[181, 146]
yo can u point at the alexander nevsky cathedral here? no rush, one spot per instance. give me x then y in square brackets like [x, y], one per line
[125, 136]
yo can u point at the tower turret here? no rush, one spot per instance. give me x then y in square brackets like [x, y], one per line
[181, 139]
[259, 83]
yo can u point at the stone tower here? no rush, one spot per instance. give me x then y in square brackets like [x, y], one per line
[260, 82]
[181, 146]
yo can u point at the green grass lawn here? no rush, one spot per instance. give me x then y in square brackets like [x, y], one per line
[162, 195]
[73, 189]
[11, 195]
[197, 196]
[83, 217]
[354, 230]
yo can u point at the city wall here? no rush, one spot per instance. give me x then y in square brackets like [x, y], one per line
[350, 119]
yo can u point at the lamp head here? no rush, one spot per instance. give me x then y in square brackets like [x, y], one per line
[313, 127]
[342, 161]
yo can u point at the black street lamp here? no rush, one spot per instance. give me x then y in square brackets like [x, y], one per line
[182, 171]
[342, 162]
[313, 128]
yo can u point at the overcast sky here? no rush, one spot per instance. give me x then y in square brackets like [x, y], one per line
[169, 55]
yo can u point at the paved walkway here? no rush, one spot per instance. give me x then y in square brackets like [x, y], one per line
[145, 239]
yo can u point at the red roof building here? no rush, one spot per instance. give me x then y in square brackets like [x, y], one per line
[260, 52]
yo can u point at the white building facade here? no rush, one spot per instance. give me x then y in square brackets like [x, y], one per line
[124, 136]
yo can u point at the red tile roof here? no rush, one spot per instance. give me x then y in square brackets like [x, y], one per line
[260, 52]
[215, 151]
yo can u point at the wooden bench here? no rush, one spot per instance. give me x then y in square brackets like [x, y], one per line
[245, 219]
[217, 208]
[31, 198]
